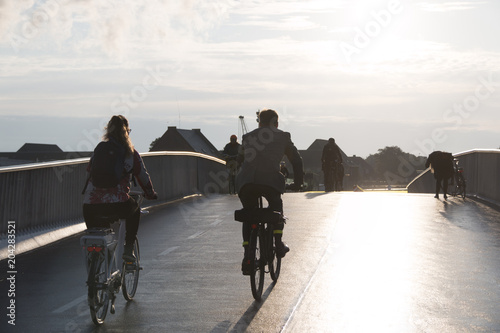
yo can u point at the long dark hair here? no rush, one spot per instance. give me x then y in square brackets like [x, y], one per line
[118, 129]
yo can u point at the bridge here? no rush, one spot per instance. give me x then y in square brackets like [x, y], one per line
[377, 262]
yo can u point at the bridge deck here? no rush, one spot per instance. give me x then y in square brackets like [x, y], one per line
[359, 262]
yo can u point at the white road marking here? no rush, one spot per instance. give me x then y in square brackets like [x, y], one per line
[70, 304]
[196, 234]
[167, 251]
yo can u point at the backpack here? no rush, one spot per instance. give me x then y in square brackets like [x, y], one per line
[108, 164]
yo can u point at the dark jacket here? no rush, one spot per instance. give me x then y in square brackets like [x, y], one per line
[442, 163]
[262, 151]
[331, 154]
[231, 149]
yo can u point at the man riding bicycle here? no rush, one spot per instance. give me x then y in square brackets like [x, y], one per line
[261, 153]
[115, 200]
[230, 154]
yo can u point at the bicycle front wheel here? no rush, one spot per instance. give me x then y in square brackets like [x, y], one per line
[98, 298]
[257, 263]
[274, 260]
[130, 275]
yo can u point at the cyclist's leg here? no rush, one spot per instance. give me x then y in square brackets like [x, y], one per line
[438, 186]
[132, 214]
[273, 197]
[249, 198]
[130, 211]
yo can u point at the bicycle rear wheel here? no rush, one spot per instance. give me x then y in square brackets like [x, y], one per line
[257, 263]
[130, 275]
[274, 260]
[461, 185]
[98, 298]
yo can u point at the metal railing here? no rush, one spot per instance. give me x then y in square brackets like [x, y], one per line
[42, 195]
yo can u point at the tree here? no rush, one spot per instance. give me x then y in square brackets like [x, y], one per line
[394, 166]
[151, 145]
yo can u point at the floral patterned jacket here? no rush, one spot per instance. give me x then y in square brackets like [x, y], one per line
[120, 193]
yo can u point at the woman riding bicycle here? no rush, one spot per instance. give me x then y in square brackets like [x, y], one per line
[115, 200]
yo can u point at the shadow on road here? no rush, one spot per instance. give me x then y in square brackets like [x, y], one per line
[253, 309]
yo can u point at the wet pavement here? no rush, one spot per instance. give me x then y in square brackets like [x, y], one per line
[359, 262]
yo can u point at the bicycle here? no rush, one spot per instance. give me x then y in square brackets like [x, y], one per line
[232, 169]
[459, 179]
[262, 245]
[106, 271]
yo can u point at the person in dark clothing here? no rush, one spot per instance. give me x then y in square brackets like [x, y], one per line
[230, 154]
[261, 153]
[284, 170]
[441, 164]
[231, 149]
[330, 161]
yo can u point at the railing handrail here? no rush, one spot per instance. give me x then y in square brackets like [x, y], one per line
[40, 165]
[471, 151]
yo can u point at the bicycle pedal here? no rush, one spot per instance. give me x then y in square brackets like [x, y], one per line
[112, 309]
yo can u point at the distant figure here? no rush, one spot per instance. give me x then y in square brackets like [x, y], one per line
[230, 153]
[231, 149]
[441, 164]
[331, 162]
[284, 170]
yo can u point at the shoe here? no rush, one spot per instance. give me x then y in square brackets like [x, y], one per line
[436, 196]
[445, 197]
[246, 266]
[128, 253]
[282, 249]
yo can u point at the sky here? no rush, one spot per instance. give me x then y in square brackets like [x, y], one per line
[421, 75]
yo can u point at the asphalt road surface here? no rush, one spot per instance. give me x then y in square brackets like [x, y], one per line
[359, 262]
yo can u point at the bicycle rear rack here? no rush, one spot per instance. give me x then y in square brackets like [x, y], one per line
[263, 215]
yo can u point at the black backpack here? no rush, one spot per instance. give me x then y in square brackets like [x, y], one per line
[107, 164]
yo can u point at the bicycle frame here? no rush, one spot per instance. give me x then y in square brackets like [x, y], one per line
[261, 246]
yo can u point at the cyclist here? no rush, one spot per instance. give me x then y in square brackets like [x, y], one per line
[116, 200]
[284, 170]
[261, 153]
[230, 154]
[231, 149]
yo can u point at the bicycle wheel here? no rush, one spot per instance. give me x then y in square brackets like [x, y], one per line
[462, 185]
[130, 275]
[257, 263]
[274, 260]
[98, 298]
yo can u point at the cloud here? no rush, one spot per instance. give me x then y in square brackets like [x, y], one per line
[449, 6]
[111, 26]
[10, 12]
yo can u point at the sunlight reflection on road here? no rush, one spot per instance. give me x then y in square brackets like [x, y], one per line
[405, 263]
[373, 274]
[366, 279]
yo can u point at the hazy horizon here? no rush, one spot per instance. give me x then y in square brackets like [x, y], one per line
[419, 75]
